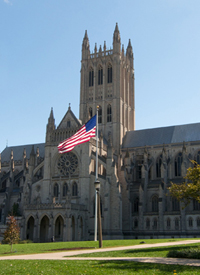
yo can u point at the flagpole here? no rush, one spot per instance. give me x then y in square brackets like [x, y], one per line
[95, 218]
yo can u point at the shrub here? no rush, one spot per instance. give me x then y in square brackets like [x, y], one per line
[191, 253]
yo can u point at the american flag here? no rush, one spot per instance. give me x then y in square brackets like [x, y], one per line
[84, 134]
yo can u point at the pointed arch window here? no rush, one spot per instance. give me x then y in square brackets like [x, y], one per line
[147, 223]
[190, 222]
[158, 166]
[196, 205]
[177, 165]
[74, 189]
[55, 190]
[198, 221]
[100, 75]
[175, 204]
[197, 158]
[136, 205]
[65, 189]
[109, 74]
[154, 204]
[91, 77]
[90, 112]
[100, 115]
[109, 113]
[168, 223]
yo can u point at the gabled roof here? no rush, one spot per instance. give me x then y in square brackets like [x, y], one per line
[18, 151]
[69, 116]
[158, 136]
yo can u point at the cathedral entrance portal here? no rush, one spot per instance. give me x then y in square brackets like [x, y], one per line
[44, 229]
[30, 228]
[59, 224]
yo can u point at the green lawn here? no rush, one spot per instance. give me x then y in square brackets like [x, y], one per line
[143, 252]
[47, 267]
[33, 248]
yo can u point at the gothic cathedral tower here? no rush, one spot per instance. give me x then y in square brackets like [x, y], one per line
[107, 80]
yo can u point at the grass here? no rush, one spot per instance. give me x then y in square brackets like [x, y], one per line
[143, 252]
[34, 248]
[47, 267]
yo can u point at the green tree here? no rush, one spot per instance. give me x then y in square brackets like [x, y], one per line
[190, 188]
[11, 235]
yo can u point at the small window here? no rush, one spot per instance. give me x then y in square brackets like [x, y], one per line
[176, 223]
[168, 223]
[147, 223]
[109, 76]
[65, 189]
[135, 223]
[158, 166]
[136, 205]
[197, 158]
[155, 204]
[198, 221]
[109, 113]
[175, 204]
[196, 205]
[177, 164]
[90, 112]
[91, 77]
[74, 189]
[190, 222]
[55, 190]
[155, 223]
[68, 124]
[100, 115]
[100, 75]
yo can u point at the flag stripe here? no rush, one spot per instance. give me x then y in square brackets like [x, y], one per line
[83, 135]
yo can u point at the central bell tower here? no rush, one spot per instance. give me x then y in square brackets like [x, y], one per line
[107, 80]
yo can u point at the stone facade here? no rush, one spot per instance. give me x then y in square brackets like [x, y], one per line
[53, 194]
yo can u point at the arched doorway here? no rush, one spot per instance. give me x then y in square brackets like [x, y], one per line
[30, 229]
[73, 228]
[44, 229]
[59, 224]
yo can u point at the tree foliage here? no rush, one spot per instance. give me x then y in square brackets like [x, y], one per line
[11, 235]
[190, 188]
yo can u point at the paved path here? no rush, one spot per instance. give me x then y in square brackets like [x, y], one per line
[64, 255]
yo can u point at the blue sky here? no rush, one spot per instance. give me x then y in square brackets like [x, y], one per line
[40, 54]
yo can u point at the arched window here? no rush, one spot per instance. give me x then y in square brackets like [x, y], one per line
[65, 189]
[168, 223]
[147, 223]
[177, 165]
[197, 157]
[196, 205]
[155, 223]
[109, 113]
[91, 77]
[135, 223]
[100, 115]
[176, 223]
[90, 112]
[55, 190]
[158, 166]
[198, 221]
[100, 75]
[136, 205]
[74, 189]
[190, 222]
[154, 204]
[109, 74]
[175, 204]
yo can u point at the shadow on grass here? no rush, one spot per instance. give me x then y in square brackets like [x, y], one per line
[158, 249]
[144, 268]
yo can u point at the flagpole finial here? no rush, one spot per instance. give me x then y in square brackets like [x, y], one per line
[97, 107]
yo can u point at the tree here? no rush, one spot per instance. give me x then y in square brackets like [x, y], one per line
[190, 188]
[11, 235]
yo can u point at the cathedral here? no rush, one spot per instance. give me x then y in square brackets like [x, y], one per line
[53, 194]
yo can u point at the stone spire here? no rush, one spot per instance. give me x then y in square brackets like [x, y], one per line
[51, 121]
[129, 51]
[85, 46]
[116, 40]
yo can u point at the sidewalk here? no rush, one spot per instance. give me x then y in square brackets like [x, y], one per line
[65, 254]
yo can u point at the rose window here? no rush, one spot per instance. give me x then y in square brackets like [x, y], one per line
[67, 164]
